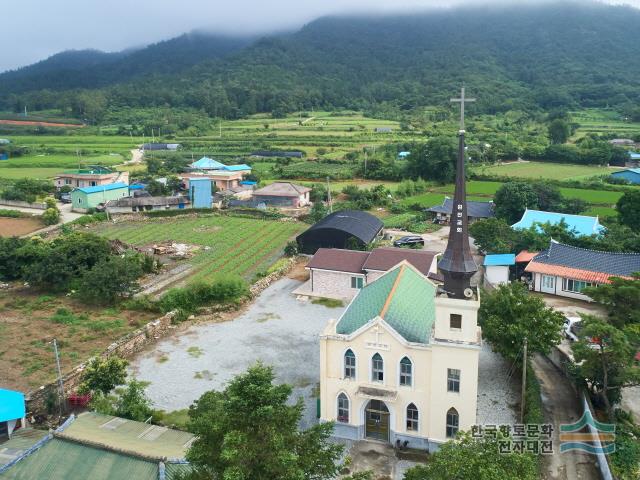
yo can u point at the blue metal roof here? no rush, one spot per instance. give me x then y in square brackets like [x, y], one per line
[237, 168]
[582, 224]
[103, 188]
[248, 182]
[137, 186]
[404, 154]
[634, 156]
[208, 163]
[632, 170]
[499, 260]
[11, 405]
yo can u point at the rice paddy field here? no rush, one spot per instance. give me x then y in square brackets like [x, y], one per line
[541, 170]
[593, 120]
[227, 245]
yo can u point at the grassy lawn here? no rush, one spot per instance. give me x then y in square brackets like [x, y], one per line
[592, 197]
[538, 170]
[240, 246]
[32, 321]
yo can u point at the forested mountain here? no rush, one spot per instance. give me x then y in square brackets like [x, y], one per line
[95, 69]
[533, 56]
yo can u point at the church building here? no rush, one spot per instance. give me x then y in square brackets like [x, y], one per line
[401, 363]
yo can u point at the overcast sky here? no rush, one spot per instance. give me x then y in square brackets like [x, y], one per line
[35, 29]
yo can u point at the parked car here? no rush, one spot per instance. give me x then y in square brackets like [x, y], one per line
[409, 241]
[65, 198]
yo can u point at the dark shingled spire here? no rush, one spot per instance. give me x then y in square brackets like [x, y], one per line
[457, 264]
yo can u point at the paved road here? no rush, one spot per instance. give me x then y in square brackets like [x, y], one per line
[561, 406]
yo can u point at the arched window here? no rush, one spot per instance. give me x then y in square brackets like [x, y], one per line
[412, 418]
[452, 423]
[343, 408]
[349, 364]
[377, 368]
[406, 371]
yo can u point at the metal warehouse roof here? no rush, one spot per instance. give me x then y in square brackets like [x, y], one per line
[206, 162]
[103, 188]
[11, 405]
[582, 224]
[361, 225]
[499, 260]
[402, 297]
[237, 168]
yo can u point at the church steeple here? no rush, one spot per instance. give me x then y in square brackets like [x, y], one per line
[457, 264]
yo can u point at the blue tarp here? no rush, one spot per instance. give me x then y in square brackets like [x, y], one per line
[503, 259]
[248, 182]
[11, 405]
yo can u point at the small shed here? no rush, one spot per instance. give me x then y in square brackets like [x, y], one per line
[631, 175]
[200, 192]
[496, 267]
[86, 198]
[12, 412]
[344, 229]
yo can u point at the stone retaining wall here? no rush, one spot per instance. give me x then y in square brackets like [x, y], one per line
[125, 347]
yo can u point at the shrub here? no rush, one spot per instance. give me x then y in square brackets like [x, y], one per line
[291, 249]
[10, 213]
[51, 216]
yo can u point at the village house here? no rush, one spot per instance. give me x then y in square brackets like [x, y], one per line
[401, 364]
[207, 165]
[566, 271]
[87, 198]
[222, 179]
[631, 175]
[497, 268]
[282, 194]
[580, 224]
[89, 177]
[341, 229]
[475, 211]
[143, 204]
[341, 274]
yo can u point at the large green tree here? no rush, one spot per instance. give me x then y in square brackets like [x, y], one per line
[467, 458]
[559, 131]
[110, 280]
[621, 298]
[605, 360]
[628, 207]
[434, 160]
[512, 199]
[103, 375]
[250, 431]
[510, 314]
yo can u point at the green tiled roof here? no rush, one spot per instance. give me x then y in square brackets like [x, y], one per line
[402, 297]
[63, 460]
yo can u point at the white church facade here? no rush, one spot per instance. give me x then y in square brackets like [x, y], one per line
[401, 364]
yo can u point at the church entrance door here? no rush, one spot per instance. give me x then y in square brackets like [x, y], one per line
[377, 421]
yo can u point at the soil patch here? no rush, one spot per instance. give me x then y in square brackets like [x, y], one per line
[10, 227]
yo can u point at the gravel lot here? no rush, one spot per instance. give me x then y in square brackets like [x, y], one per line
[276, 329]
[281, 331]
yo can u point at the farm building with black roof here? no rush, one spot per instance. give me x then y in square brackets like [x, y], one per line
[343, 229]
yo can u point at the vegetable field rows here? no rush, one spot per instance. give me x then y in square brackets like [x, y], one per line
[240, 246]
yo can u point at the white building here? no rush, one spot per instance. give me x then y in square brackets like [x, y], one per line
[401, 363]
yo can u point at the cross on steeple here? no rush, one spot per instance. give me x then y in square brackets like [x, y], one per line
[462, 100]
[457, 264]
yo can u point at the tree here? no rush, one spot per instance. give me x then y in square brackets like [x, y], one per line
[132, 402]
[249, 431]
[103, 375]
[628, 207]
[559, 131]
[109, 280]
[493, 235]
[434, 160]
[621, 298]
[477, 459]
[51, 216]
[510, 314]
[605, 360]
[549, 197]
[512, 199]
[318, 212]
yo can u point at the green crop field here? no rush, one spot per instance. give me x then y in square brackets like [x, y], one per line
[592, 197]
[542, 170]
[602, 121]
[47, 166]
[240, 246]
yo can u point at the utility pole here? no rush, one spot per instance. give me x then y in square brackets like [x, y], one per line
[329, 196]
[60, 384]
[365, 162]
[524, 380]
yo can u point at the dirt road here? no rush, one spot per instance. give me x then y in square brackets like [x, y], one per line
[561, 406]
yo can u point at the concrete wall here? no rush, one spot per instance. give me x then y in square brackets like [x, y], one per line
[18, 203]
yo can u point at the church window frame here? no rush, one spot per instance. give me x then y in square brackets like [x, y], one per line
[349, 364]
[453, 380]
[342, 403]
[405, 377]
[377, 368]
[412, 418]
[452, 423]
[455, 321]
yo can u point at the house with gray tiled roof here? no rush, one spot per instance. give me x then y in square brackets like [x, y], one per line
[475, 210]
[566, 270]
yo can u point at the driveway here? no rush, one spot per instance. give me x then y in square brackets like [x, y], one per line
[276, 329]
[561, 406]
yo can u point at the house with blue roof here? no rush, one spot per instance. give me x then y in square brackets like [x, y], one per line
[497, 267]
[401, 363]
[206, 163]
[87, 198]
[631, 175]
[581, 224]
[12, 412]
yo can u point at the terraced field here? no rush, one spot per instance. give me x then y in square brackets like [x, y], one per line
[541, 170]
[229, 245]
